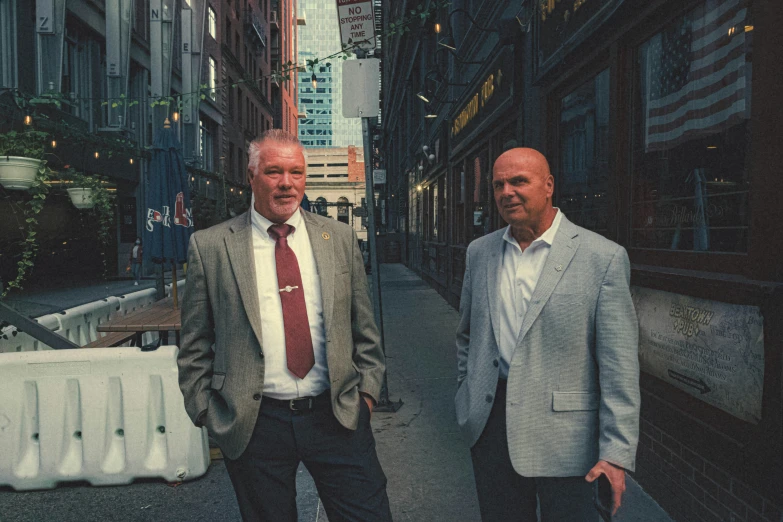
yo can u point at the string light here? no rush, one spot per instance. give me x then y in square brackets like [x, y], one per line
[314, 81]
[207, 182]
[175, 117]
[97, 155]
[54, 144]
[130, 161]
[437, 28]
[28, 120]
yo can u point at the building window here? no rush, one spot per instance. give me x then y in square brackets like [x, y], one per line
[7, 43]
[691, 133]
[212, 22]
[582, 181]
[212, 78]
[321, 207]
[342, 209]
[227, 33]
[206, 144]
[230, 99]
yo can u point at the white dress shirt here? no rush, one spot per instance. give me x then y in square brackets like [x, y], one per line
[518, 278]
[279, 383]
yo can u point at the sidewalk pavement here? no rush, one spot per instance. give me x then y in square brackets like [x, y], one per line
[35, 301]
[426, 462]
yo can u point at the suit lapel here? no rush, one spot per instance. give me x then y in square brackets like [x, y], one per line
[494, 266]
[323, 251]
[239, 245]
[560, 255]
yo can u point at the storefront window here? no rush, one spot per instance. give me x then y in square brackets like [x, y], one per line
[692, 132]
[583, 176]
[479, 183]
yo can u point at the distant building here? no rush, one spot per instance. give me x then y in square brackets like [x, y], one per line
[335, 185]
[323, 124]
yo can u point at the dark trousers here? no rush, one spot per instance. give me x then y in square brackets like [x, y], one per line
[506, 496]
[342, 462]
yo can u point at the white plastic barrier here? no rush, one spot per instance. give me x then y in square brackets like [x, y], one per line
[134, 301]
[180, 287]
[21, 342]
[79, 324]
[106, 415]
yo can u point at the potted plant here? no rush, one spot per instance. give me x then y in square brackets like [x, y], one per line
[21, 158]
[82, 188]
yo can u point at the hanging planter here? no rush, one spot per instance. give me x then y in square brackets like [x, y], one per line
[20, 158]
[17, 172]
[82, 198]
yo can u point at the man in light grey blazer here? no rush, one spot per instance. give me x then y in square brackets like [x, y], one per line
[548, 371]
[280, 355]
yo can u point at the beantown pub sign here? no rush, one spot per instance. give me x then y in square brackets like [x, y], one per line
[487, 97]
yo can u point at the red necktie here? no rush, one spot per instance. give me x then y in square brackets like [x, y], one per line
[298, 343]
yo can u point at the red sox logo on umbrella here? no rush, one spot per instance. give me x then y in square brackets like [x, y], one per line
[182, 216]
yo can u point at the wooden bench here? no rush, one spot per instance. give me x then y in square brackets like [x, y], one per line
[111, 339]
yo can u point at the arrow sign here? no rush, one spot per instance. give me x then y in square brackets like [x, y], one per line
[689, 381]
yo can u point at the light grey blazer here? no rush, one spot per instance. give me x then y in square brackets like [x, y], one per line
[573, 383]
[221, 360]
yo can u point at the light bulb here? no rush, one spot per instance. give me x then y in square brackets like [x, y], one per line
[28, 120]
[314, 81]
[54, 144]
[97, 155]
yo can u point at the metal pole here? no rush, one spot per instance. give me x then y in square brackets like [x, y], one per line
[384, 404]
[32, 328]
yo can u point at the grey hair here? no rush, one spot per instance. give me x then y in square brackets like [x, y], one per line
[276, 135]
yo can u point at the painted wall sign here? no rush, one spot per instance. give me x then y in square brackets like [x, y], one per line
[493, 88]
[712, 350]
[44, 14]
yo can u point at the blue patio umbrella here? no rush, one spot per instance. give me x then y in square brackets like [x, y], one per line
[169, 217]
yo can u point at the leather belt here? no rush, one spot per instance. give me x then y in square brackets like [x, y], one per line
[300, 404]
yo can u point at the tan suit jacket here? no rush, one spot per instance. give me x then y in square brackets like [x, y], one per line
[221, 360]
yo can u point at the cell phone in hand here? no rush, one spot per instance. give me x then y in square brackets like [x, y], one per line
[603, 497]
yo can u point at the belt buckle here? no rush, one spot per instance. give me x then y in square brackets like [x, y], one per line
[292, 404]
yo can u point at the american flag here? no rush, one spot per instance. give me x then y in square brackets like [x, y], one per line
[698, 75]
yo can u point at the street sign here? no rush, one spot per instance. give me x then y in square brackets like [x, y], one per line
[360, 211]
[379, 176]
[361, 88]
[357, 23]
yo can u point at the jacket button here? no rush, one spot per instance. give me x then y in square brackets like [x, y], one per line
[256, 396]
[489, 398]
[496, 363]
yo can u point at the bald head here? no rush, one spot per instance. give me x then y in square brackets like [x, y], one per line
[523, 188]
[524, 158]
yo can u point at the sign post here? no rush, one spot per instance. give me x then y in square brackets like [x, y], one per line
[364, 77]
[357, 23]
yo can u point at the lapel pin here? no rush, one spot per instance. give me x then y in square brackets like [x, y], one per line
[325, 235]
[559, 268]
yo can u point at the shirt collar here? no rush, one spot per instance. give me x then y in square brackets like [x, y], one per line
[547, 237]
[262, 224]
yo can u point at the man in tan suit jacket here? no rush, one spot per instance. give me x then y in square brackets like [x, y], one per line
[273, 392]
